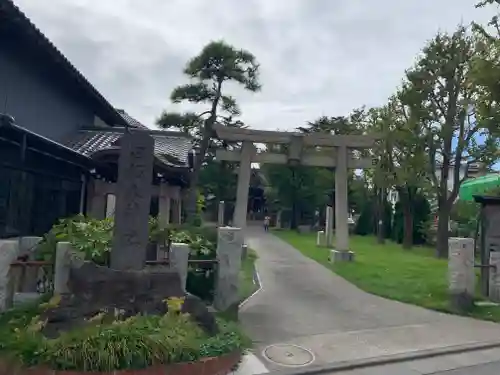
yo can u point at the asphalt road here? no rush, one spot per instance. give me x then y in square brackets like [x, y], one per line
[305, 315]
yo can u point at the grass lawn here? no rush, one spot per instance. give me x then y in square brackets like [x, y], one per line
[247, 286]
[411, 276]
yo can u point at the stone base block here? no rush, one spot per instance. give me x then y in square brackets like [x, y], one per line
[304, 229]
[462, 302]
[341, 256]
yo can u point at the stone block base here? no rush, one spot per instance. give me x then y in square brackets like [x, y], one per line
[304, 229]
[462, 302]
[341, 256]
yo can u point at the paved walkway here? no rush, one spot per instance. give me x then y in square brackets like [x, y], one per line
[303, 303]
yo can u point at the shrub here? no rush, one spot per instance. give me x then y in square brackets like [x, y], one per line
[134, 343]
[93, 239]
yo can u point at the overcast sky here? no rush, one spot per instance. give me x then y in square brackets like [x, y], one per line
[318, 57]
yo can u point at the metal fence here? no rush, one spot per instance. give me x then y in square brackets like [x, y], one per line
[32, 201]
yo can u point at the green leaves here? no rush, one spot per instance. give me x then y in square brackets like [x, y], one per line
[135, 343]
[219, 62]
[193, 92]
[229, 105]
[188, 122]
[449, 94]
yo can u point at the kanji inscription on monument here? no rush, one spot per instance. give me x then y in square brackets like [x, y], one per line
[133, 199]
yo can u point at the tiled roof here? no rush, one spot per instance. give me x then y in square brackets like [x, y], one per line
[10, 14]
[170, 149]
[132, 122]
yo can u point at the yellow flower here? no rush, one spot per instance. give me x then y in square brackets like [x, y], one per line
[175, 304]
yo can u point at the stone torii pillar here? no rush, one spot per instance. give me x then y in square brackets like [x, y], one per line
[341, 204]
[240, 211]
[164, 202]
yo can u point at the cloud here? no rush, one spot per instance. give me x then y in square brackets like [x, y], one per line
[318, 57]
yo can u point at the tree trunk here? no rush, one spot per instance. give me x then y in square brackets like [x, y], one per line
[408, 226]
[380, 217]
[442, 231]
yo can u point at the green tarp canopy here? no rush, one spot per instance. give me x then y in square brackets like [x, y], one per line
[478, 185]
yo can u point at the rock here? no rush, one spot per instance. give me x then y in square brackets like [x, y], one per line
[200, 313]
[304, 229]
[133, 291]
[94, 289]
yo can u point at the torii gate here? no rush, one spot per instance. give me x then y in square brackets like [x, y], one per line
[341, 159]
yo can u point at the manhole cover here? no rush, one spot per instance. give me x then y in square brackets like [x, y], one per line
[288, 355]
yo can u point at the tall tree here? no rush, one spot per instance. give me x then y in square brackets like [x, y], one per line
[406, 166]
[379, 121]
[443, 90]
[217, 64]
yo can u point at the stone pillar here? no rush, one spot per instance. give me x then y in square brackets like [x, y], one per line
[329, 227]
[133, 201]
[240, 211]
[494, 279]
[229, 249]
[461, 273]
[97, 200]
[164, 205]
[62, 266]
[244, 252]
[176, 204]
[320, 238]
[110, 205]
[341, 205]
[9, 250]
[176, 211]
[278, 219]
[179, 257]
[220, 213]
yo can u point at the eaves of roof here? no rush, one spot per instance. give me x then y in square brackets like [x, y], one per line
[10, 12]
[170, 148]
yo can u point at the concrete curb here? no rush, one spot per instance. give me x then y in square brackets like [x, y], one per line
[256, 281]
[389, 359]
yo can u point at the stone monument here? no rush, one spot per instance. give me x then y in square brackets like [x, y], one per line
[133, 200]
[461, 273]
[229, 254]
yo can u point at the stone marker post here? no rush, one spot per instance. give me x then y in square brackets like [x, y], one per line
[461, 273]
[9, 249]
[133, 199]
[220, 214]
[229, 249]
[494, 279]
[320, 238]
[329, 226]
[179, 258]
